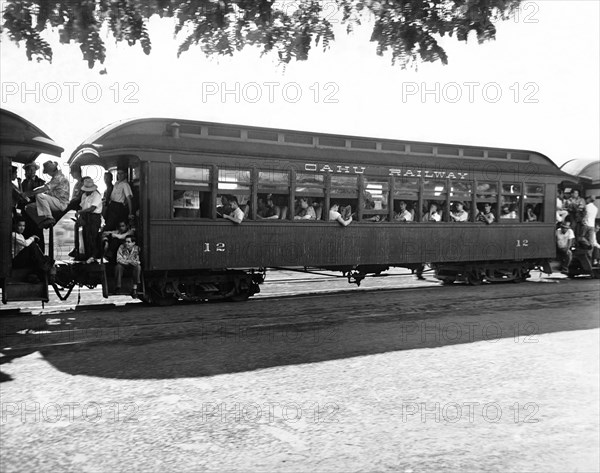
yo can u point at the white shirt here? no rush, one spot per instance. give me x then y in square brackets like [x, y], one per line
[589, 219]
[19, 242]
[88, 201]
[562, 239]
[404, 216]
[121, 191]
[237, 214]
[433, 217]
[333, 215]
[460, 217]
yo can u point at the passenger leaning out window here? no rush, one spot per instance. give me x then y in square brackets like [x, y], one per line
[342, 218]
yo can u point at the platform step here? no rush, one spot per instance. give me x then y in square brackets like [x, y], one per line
[23, 291]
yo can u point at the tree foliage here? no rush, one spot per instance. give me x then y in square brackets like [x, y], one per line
[408, 30]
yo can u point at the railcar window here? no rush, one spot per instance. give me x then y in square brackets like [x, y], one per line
[534, 203]
[344, 192]
[234, 184]
[510, 205]
[375, 200]
[461, 198]
[434, 201]
[486, 198]
[273, 195]
[310, 197]
[406, 200]
[191, 192]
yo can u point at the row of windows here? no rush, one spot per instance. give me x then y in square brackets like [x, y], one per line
[284, 195]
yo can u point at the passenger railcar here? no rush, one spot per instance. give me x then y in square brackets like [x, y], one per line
[20, 142]
[182, 170]
[184, 174]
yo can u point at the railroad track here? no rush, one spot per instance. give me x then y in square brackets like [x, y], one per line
[187, 320]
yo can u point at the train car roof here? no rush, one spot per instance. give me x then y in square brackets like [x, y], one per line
[22, 141]
[583, 168]
[188, 135]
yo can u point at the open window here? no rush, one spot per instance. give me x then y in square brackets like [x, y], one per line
[191, 192]
[375, 199]
[510, 205]
[534, 203]
[310, 196]
[486, 201]
[434, 201]
[344, 192]
[234, 185]
[273, 200]
[406, 200]
[461, 198]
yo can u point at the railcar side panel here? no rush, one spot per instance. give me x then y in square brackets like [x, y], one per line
[183, 245]
[159, 190]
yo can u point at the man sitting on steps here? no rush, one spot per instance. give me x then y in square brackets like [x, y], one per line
[51, 197]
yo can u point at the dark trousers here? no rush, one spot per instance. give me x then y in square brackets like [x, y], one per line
[116, 213]
[119, 268]
[91, 226]
[31, 256]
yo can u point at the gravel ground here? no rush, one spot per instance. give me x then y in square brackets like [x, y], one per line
[485, 406]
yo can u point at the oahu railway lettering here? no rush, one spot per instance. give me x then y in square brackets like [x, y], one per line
[392, 171]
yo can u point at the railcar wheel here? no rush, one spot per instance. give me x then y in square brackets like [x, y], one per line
[155, 297]
[474, 278]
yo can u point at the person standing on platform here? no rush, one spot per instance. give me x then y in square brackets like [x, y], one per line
[90, 217]
[120, 206]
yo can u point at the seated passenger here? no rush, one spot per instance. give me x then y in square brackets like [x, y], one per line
[508, 212]
[530, 215]
[25, 252]
[486, 216]
[225, 207]
[237, 214]
[51, 197]
[267, 209]
[128, 256]
[305, 211]
[112, 240]
[404, 215]
[460, 215]
[31, 180]
[335, 215]
[565, 239]
[433, 215]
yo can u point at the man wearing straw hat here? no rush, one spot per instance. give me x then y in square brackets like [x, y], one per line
[90, 217]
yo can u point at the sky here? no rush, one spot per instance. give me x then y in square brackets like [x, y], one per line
[536, 87]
